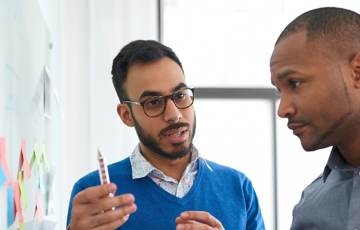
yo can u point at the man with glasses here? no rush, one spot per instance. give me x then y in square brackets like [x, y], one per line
[174, 186]
[316, 66]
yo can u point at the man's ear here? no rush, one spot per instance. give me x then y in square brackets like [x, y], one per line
[124, 113]
[355, 69]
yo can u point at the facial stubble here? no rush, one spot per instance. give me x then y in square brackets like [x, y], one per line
[344, 117]
[150, 142]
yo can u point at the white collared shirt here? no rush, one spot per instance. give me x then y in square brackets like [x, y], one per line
[142, 168]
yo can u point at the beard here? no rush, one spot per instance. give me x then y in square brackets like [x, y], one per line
[150, 142]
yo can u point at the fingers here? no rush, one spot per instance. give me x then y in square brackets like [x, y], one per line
[203, 217]
[181, 221]
[94, 193]
[190, 221]
[116, 217]
[113, 225]
[106, 220]
[92, 208]
[109, 203]
[196, 226]
[100, 205]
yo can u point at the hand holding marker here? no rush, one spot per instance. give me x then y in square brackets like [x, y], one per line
[103, 171]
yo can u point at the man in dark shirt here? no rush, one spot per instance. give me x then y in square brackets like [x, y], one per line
[316, 67]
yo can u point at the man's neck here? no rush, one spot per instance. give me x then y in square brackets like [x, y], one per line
[351, 154]
[171, 168]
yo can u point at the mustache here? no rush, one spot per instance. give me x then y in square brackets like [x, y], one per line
[173, 126]
[296, 121]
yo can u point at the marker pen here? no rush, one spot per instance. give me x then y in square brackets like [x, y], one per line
[103, 171]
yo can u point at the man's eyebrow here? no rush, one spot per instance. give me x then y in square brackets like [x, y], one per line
[148, 93]
[179, 86]
[283, 75]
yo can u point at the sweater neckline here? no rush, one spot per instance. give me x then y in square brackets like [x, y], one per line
[181, 201]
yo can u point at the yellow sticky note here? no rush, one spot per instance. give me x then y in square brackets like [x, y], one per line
[22, 189]
[21, 226]
[37, 158]
[43, 157]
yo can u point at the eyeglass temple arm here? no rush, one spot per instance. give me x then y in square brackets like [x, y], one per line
[132, 102]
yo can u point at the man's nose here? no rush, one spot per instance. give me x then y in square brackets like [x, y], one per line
[286, 107]
[172, 113]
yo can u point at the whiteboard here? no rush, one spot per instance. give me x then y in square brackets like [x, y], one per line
[25, 48]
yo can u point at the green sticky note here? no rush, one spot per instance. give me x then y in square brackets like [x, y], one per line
[21, 226]
[35, 155]
[22, 189]
[43, 157]
[32, 161]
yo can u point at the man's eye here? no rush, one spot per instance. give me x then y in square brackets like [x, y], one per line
[153, 101]
[179, 95]
[295, 84]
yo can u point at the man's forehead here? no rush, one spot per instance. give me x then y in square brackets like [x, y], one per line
[162, 76]
[292, 45]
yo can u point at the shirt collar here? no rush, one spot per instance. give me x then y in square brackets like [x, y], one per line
[142, 167]
[336, 162]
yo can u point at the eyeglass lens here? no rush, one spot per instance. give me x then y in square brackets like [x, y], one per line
[154, 106]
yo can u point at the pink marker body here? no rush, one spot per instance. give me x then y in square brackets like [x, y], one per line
[103, 171]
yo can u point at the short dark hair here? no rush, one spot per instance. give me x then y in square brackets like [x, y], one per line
[340, 27]
[139, 51]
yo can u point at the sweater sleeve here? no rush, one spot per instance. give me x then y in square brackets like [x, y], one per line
[76, 189]
[254, 217]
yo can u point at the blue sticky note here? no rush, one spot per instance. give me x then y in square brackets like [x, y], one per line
[41, 183]
[10, 204]
[2, 176]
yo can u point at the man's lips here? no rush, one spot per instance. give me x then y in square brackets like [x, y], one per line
[297, 128]
[174, 131]
[177, 135]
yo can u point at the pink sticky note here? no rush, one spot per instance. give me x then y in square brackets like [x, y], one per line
[23, 159]
[3, 161]
[38, 208]
[17, 199]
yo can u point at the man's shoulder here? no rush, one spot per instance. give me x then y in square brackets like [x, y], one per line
[315, 184]
[318, 179]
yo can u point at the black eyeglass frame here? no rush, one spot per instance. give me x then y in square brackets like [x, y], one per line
[171, 96]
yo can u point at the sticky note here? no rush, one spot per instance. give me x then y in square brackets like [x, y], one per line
[43, 157]
[22, 189]
[10, 205]
[17, 200]
[41, 184]
[48, 77]
[23, 160]
[35, 156]
[3, 161]
[2, 176]
[37, 207]
[47, 88]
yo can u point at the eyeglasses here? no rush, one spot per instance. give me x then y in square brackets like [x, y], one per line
[155, 106]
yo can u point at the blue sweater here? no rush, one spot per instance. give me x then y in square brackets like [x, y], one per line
[225, 193]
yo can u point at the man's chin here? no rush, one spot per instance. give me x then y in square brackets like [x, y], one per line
[178, 151]
[174, 155]
[313, 146]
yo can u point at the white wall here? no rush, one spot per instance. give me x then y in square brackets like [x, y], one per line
[51, 14]
[75, 72]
